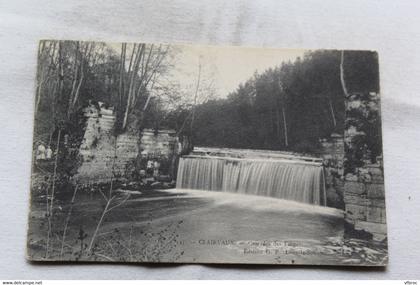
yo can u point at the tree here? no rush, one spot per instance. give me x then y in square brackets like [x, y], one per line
[146, 63]
[195, 97]
[287, 107]
[282, 97]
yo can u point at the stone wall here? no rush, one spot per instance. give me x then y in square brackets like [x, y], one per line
[100, 146]
[158, 144]
[365, 200]
[360, 193]
[364, 193]
[332, 153]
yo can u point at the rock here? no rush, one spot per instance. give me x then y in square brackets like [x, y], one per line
[149, 181]
[370, 251]
[352, 260]
[377, 229]
[156, 184]
[351, 177]
[354, 187]
[164, 178]
[366, 177]
[129, 192]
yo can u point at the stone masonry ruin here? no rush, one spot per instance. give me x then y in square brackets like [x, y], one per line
[131, 150]
[364, 193]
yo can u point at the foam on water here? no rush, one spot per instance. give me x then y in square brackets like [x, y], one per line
[257, 203]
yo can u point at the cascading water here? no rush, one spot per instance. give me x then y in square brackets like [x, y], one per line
[284, 179]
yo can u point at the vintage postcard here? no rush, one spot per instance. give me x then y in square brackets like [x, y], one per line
[205, 154]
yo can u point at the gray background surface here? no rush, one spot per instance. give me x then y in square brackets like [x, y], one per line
[391, 27]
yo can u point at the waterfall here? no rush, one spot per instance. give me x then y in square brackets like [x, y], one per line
[284, 179]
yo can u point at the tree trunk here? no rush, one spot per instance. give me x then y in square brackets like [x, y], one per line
[50, 214]
[77, 92]
[43, 75]
[122, 70]
[278, 123]
[60, 74]
[55, 170]
[283, 103]
[131, 88]
[343, 82]
[195, 99]
[38, 93]
[285, 127]
[332, 112]
[74, 82]
[63, 239]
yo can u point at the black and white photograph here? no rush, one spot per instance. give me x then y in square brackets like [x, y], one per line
[165, 153]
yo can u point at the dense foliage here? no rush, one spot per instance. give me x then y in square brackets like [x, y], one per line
[288, 107]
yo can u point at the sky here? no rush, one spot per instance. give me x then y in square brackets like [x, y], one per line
[225, 67]
[222, 67]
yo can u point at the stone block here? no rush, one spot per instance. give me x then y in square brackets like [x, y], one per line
[375, 190]
[354, 187]
[376, 173]
[356, 200]
[356, 212]
[377, 202]
[363, 200]
[376, 215]
[379, 236]
[379, 228]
